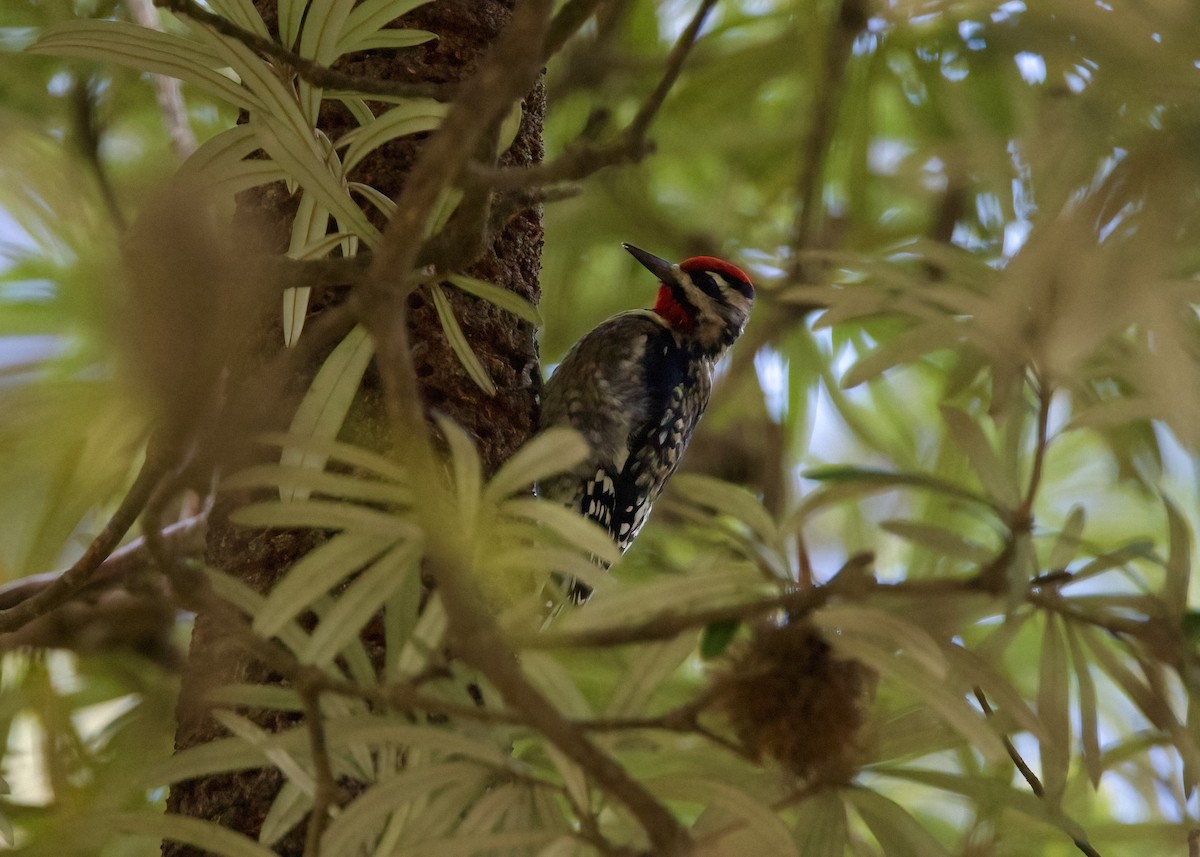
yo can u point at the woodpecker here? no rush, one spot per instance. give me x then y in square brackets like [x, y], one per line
[636, 386]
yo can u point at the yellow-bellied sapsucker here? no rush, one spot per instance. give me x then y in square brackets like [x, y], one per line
[636, 385]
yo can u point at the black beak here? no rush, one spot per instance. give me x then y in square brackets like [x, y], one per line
[661, 268]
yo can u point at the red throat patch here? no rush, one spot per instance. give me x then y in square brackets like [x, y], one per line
[672, 311]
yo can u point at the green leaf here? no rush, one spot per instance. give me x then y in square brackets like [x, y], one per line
[885, 479]
[725, 498]
[357, 457]
[145, 50]
[468, 475]
[584, 534]
[717, 637]
[552, 679]
[242, 13]
[309, 226]
[1179, 562]
[268, 696]
[412, 117]
[389, 40]
[821, 829]
[497, 295]
[371, 16]
[314, 575]
[898, 833]
[996, 480]
[458, 342]
[288, 809]
[1053, 701]
[222, 166]
[1089, 732]
[698, 590]
[941, 541]
[650, 666]
[361, 600]
[207, 836]
[555, 450]
[344, 486]
[258, 738]
[325, 515]
[382, 202]
[328, 400]
[363, 818]
[905, 347]
[317, 172]
[768, 833]
[1067, 543]
[946, 702]
[322, 25]
[291, 14]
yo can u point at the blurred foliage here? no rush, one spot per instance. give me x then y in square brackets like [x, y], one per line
[973, 227]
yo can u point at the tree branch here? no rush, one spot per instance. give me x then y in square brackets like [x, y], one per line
[159, 462]
[168, 91]
[585, 157]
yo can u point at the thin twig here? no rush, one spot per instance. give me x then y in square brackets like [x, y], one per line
[1045, 396]
[86, 131]
[186, 536]
[507, 72]
[584, 157]
[158, 463]
[669, 624]
[1035, 784]
[168, 91]
[325, 786]
[308, 70]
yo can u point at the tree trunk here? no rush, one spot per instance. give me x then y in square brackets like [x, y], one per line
[499, 423]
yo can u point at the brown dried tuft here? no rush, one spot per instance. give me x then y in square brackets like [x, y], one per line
[789, 698]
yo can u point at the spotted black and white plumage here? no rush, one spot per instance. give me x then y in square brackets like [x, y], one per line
[636, 386]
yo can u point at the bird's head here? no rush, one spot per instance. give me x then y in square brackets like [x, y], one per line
[706, 300]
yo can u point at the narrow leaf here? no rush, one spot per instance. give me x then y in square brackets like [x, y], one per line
[290, 806]
[996, 480]
[359, 603]
[206, 836]
[553, 451]
[1053, 710]
[145, 50]
[371, 16]
[412, 117]
[898, 833]
[1089, 732]
[345, 486]
[726, 498]
[1067, 543]
[328, 400]
[458, 342]
[821, 829]
[940, 541]
[586, 535]
[325, 515]
[314, 575]
[501, 297]
[1179, 562]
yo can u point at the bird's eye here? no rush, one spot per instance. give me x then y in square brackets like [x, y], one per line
[707, 284]
[742, 288]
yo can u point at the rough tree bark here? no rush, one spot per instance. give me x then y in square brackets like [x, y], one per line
[498, 423]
